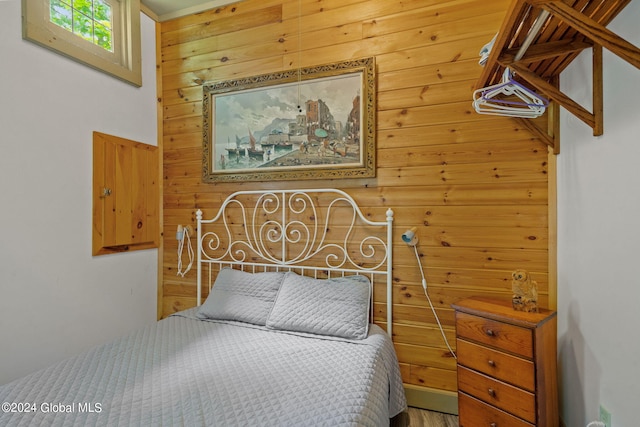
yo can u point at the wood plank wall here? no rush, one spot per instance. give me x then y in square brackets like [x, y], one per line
[476, 186]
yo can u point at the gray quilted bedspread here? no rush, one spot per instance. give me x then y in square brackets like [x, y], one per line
[188, 372]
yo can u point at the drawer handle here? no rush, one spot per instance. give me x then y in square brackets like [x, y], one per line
[493, 425]
[491, 363]
[491, 392]
[490, 333]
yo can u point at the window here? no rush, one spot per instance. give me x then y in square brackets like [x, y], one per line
[89, 19]
[104, 34]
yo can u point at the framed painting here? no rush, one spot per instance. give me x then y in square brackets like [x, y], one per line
[307, 123]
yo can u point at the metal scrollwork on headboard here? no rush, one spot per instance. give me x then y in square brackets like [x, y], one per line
[317, 230]
[287, 229]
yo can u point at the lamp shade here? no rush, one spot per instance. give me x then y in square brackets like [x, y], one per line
[409, 237]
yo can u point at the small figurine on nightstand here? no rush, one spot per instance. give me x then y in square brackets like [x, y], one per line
[525, 292]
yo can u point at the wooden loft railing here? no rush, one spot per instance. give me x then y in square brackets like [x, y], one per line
[561, 30]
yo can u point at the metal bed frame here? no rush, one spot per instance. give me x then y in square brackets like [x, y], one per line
[320, 233]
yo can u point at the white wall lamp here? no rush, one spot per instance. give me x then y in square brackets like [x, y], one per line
[411, 239]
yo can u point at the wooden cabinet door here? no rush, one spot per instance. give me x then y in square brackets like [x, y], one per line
[125, 195]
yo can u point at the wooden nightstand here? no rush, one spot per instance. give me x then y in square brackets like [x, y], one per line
[507, 374]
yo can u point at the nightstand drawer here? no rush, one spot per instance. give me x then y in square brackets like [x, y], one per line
[511, 399]
[473, 413]
[500, 335]
[511, 369]
[506, 364]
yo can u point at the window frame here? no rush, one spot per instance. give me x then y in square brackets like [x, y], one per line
[124, 62]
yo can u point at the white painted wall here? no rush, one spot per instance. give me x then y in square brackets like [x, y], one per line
[55, 298]
[599, 242]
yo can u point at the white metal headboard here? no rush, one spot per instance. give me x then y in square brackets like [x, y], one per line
[316, 232]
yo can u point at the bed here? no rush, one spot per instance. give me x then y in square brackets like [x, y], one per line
[281, 335]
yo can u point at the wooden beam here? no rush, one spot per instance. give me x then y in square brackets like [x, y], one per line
[553, 121]
[555, 94]
[513, 17]
[598, 101]
[592, 30]
[537, 131]
[540, 52]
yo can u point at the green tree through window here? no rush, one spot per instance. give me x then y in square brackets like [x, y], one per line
[89, 19]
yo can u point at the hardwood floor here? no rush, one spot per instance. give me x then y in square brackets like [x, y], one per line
[422, 418]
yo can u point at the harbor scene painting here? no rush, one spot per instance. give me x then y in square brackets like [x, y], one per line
[300, 124]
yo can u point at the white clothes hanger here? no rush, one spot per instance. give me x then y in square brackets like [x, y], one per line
[486, 50]
[509, 98]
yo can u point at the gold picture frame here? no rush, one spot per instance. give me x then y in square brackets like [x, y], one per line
[308, 123]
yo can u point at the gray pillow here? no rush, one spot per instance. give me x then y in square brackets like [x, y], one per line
[336, 307]
[241, 296]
